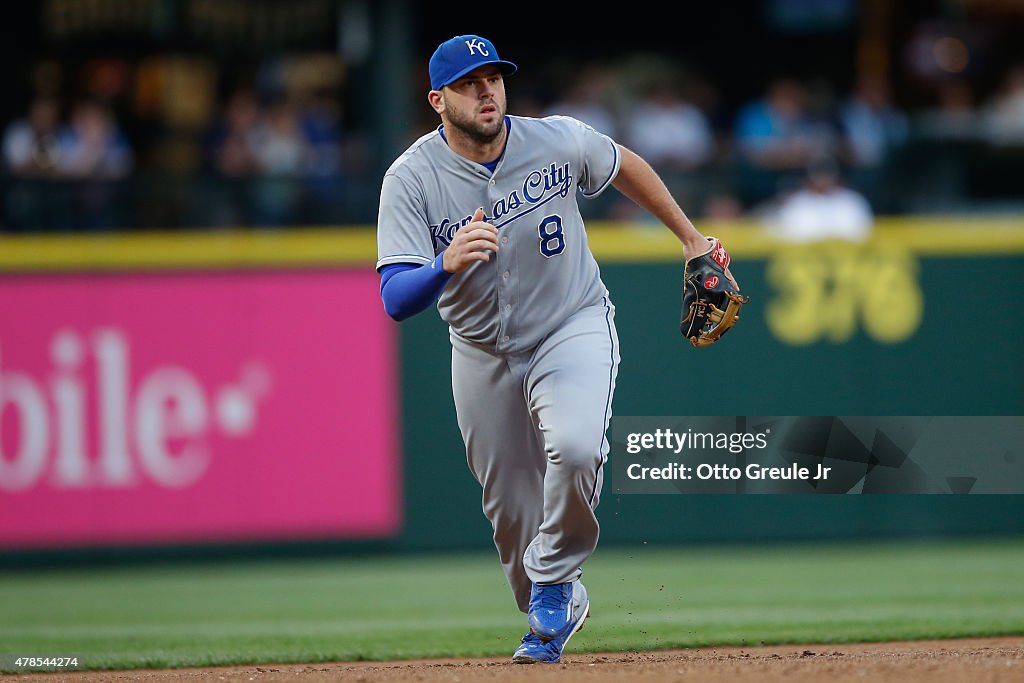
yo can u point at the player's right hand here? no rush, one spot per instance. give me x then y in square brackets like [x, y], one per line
[473, 242]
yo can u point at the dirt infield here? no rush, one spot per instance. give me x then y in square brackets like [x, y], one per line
[991, 659]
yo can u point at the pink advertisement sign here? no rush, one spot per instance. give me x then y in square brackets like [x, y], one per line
[194, 407]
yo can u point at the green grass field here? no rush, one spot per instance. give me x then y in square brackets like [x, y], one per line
[458, 605]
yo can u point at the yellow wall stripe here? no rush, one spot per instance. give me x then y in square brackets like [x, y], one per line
[925, 237]
[357, 246]
[208, 249]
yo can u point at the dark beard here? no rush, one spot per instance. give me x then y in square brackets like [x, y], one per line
[478, 132]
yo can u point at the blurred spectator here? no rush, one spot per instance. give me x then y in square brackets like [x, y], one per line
[320, 120]
[587, 98]
[954, 116]
[31, 148]
[283, 154]
[95, 152]
[93, 145]
[278, 143]
[31, 144]
[1003, 115]
[722, 207]
[775, 137]
[230, 140]
[874, 130]
[779, 131]
[947, 133]
[822, 209]
[872, 125]
[226, 199]
[669, 131]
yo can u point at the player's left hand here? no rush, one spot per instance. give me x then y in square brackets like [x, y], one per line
[711, 298]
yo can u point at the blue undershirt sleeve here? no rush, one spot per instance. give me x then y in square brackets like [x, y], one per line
[408, 289]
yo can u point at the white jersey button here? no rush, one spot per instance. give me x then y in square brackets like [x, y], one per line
[504, 240]
[505, 338]
[506, 274]
[508, 307]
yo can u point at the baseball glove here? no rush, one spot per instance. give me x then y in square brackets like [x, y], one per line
[711, 301]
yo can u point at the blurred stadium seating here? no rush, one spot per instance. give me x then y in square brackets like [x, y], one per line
[272, 114]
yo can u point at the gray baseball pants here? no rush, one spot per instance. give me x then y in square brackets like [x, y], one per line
[535, 426]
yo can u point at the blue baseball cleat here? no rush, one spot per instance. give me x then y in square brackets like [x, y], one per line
[533, 651]
[535, 648]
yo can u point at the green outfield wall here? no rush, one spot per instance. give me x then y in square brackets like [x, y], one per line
[924, 319]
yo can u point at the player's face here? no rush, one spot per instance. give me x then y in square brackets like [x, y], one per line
[475, 104]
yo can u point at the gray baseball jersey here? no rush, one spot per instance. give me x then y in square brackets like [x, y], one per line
[534, 347]
[544, 270]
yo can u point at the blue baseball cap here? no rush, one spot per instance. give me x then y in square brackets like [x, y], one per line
[456, 57]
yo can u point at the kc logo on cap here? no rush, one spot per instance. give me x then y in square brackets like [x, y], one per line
[477, 45]
[456, 57]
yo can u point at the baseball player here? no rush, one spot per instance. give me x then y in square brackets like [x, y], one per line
[481, 217]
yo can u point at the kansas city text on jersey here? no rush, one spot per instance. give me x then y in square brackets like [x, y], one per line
[539, 186]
